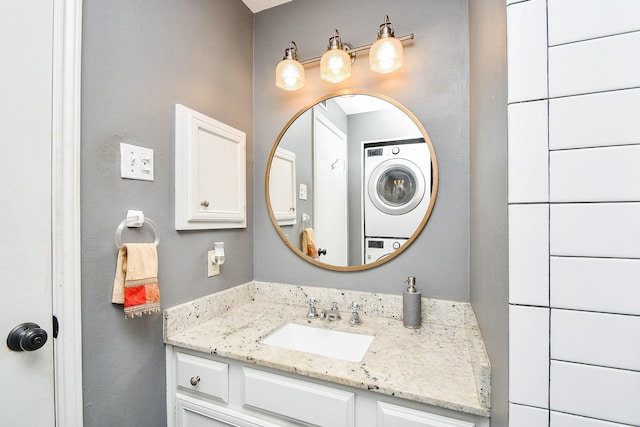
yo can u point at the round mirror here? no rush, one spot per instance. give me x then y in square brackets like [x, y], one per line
[351, 181]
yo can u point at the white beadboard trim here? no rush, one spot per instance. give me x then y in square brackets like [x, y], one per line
[66, 213]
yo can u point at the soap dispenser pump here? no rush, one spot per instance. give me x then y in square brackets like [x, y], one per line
[411, 305]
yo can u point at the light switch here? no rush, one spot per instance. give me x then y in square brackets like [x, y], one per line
[136, 162]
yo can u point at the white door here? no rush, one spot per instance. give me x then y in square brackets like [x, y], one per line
[26, 39]
[330, 191]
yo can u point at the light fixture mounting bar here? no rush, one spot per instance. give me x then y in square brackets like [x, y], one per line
[354, 50]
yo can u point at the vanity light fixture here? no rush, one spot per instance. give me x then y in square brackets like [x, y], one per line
[335, 64]
[386, 53]
[385, 56]
[290, 73]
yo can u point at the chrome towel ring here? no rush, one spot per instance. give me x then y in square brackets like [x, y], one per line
[136, 219]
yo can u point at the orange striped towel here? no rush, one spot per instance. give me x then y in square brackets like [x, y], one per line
[136, 281]
[309, 243]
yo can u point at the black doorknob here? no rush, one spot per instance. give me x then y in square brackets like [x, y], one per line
[26, 337]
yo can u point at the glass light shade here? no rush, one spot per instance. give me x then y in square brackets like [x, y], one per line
[289, 74]
[335, 65]
[386, 55]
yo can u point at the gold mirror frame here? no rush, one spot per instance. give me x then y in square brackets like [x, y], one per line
[414, 236]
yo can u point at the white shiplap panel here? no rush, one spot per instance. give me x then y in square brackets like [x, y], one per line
[529, 254]
[527, 50]
[529, 355]
[595, 230]
[528, 416]
[558, 419]
[595, 120]
[592, 391]
[528, 152]
[575, 20]
[595, 284]
[597, 65]
[608, 174]
[609, 340]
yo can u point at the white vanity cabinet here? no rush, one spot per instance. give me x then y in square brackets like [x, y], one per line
[210, 391]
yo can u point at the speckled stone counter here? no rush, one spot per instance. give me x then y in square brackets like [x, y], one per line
[444, 363]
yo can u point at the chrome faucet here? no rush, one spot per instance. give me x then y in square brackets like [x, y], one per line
[333, 313]
[312, 313]
[355, 317]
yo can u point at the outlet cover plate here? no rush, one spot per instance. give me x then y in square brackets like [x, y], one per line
[136, 162]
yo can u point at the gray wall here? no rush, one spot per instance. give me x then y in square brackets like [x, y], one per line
[489, 253]
[139, 59]
[433, 84]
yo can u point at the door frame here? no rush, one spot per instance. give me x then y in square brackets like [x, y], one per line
[65, 215]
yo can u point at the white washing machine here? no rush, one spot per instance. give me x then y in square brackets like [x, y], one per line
[375, 249]
[397, 187]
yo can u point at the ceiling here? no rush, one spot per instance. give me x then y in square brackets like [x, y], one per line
[258, 5]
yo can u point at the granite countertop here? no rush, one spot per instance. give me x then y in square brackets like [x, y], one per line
[444, 363]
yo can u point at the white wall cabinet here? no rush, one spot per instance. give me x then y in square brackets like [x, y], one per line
[282, 186]
[210, 391]
[210, 183]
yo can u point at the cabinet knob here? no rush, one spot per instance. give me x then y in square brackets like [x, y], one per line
[194, 381]
[204, 203]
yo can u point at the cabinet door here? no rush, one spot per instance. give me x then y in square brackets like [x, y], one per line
[398, 416]
[210, 182]
[282, 186]
[197, 413]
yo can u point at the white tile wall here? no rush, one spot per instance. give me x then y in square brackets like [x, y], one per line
[529, 356]
[604, 393]
[574, 20]
[527, 416]
[595, 230]
[527, 50]
[587, 242]
[597, 65]
[601, 119]
[529, 254]
[595, 174]
[601, 339]
[559, 419]
[528, 152]
[596, 284]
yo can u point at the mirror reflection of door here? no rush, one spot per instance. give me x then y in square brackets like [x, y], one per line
[330, 184]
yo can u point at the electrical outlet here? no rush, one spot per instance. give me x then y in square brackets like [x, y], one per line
[213, 269]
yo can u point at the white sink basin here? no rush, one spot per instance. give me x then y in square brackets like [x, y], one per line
[325, 342]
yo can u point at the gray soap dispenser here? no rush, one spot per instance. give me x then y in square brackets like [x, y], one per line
[411, 305]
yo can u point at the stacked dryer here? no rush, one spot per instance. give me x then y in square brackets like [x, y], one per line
[397, 190]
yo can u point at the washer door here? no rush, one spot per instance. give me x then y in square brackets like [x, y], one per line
[396, 186]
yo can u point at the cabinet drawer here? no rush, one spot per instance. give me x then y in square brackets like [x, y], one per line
[211, 378]
[300, 400]
[399, 416]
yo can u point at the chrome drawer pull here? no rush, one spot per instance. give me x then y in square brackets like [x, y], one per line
[194, 381]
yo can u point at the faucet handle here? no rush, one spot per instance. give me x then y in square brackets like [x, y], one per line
[312, 313]
[355, 317]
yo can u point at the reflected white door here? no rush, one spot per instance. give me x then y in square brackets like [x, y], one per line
[330, 190]
[26, 39]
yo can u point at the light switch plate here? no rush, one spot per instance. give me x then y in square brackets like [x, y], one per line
[136, 162]
[213, 269]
